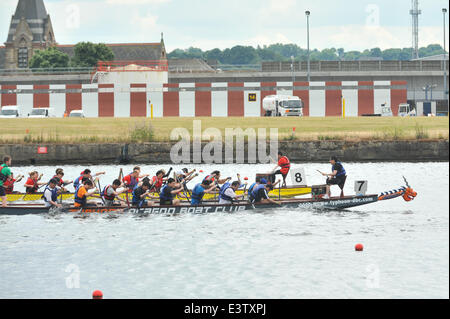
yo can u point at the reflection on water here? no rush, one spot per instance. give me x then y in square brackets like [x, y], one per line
[262, 254]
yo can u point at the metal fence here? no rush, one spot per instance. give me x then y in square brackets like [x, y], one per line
[354, 66]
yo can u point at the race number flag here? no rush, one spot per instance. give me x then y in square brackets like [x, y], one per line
[298, 177]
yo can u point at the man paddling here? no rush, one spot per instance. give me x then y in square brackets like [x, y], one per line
[140, 195]
[85, 174]
[131, 181]
[51, 194]
[166, 196]
[260, 195]
[338, 177]
[9, 184]
[110, 193]
[227, 193]
[83, 192]
[205, 187]
[5, 174]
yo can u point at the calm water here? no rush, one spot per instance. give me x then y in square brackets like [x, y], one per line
[265, 254]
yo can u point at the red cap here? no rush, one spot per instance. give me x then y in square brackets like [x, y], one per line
[97, 294]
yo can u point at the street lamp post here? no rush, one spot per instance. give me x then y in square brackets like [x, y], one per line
[307, 28]
[444, 12]
[293, 74]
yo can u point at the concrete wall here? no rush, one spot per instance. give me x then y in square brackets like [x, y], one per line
[159, 153]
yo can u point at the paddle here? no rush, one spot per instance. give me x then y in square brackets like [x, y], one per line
[100, 191]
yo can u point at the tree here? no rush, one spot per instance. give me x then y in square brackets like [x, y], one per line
[49, 59]
[87, 54]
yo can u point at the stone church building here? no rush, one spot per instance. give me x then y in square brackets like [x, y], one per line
[31, 30]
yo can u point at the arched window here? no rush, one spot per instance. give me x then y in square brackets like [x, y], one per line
[22, 57]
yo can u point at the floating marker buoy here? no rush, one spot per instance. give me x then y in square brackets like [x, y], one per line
[97, 294]
[359, 247]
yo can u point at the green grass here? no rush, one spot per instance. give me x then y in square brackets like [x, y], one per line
[137, 130]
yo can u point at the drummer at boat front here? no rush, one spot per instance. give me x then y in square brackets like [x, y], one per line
[337, 177]
[285, 166]
[51, 194]
[5, 174]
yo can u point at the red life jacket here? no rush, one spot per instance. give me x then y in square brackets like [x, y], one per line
[157, 182]
[285, 165]
[9, 186]
[32, 190]
[105, 194]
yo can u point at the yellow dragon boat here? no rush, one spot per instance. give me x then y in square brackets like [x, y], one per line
[284, 192]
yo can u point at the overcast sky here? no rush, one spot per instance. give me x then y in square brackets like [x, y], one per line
[207, 24]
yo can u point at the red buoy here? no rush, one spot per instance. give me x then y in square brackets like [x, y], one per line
[97, 294]
[245, 178]
[359, 247]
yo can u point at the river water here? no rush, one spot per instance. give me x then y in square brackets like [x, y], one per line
[263, 254]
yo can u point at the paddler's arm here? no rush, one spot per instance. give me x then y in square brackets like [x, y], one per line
[211, 190]
[100, 173]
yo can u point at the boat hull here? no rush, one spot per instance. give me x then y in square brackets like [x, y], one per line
[300, 204]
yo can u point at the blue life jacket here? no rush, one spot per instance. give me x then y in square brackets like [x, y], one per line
[77, 181]
[342, 172]
[54, 194]
[256, 190]
[250, 189]
[222, 194]
[197, 194]
[163, 196]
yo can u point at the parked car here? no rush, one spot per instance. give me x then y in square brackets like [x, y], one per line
[77, 113]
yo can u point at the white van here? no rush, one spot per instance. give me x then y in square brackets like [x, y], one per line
[11, 111]
[39, 113]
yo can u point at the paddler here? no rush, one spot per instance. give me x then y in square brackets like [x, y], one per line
[83, 192]
[338, 176]
[227, 193]
[9, 184]
[205, 187]
[5, 174]
[32, 184]
[284, 166]
[110, 193]
[85, 174]
[51, 194]
[166, 196]
[260, 194]
[158, 180]
[131, 181]
[185, 175]
[59, 175]
[140, 195]
[214, 177]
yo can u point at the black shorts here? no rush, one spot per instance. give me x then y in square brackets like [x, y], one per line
[340, 181]
[2, 191]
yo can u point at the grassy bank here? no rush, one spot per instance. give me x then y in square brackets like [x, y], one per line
[110, 130]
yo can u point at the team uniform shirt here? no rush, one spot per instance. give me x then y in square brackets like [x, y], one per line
[4, 171]
[166, 196]
[197, 194]
[130, 182]
[137, 200]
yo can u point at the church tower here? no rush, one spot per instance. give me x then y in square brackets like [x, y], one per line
[30, 30]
